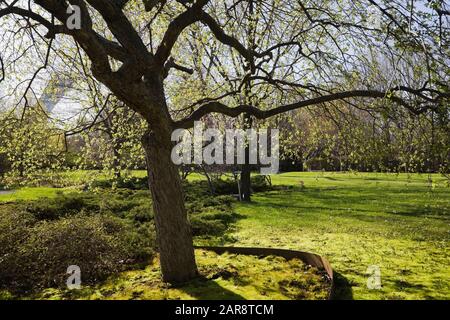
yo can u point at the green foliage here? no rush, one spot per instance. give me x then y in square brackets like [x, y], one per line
[36, 253]
[126, 182]
[114, 144]
[62, 206]
[32, 147]
[386, 139]
[4, 163]
[209, 215]
[229, 186]
[208, 225]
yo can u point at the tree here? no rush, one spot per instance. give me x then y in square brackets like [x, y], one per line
[32, 145]
[325, 43]
[111, 142]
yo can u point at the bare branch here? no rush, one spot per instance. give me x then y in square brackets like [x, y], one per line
[171, 64]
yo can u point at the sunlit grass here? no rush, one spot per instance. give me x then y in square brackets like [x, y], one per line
[399, 223]
[28, 194]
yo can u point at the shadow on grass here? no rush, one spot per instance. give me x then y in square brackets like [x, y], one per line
[206, 289]
[343, 289]
[340, 202]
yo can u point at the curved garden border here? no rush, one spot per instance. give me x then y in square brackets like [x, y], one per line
[308, 258]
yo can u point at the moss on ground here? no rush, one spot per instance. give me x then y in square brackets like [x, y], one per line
[226, 276]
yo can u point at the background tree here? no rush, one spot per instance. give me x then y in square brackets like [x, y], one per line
[111, 142]
[32, 146]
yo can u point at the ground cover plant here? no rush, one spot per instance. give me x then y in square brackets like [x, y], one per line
[222, 277]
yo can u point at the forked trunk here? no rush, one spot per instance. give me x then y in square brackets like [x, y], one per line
[174, 235]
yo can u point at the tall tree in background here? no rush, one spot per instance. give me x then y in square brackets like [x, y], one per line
[304, 47]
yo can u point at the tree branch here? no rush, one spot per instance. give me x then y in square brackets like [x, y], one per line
[226, 39]
[171, 64]
[29, 14]
[174, 30]
[218, 107]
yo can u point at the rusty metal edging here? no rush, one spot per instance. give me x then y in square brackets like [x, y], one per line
[308, 258]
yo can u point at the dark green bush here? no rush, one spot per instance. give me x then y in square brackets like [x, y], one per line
[211, 216]
[202, 226]
[131, 183]
[226, 186]
[140, 214]
[225, 217]
[102, 184]
[260, 184]
[36, 254]
[117, 203]
[15, 225]
[63, 205]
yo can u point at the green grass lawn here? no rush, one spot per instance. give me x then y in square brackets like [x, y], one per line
[400, 223]
[28, 194]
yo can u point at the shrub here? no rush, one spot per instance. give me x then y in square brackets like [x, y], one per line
[203, 227]
[211, 216]
[140, 214]
[226, 187]
[260, 184]
[62, 205]
[229, 186]
[15, 225]
[36, 254]
[131, 183]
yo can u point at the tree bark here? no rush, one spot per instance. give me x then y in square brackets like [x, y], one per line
[246, 184]
[173, 230]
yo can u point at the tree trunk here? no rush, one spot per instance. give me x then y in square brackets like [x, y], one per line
[173, 230]
[116, 162]
[246, 184]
